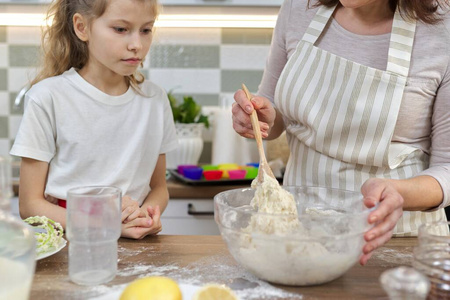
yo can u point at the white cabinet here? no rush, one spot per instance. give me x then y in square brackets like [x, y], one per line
[189, 217]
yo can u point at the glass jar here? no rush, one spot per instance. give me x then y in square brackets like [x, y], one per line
[405, 283]
[17, 257]
[432, 258]
[17, 244]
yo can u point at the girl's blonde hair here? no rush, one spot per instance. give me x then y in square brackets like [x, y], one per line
[62, 49]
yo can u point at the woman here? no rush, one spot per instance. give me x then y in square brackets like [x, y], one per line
[362, 88]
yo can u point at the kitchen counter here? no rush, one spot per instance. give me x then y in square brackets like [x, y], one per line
[202, 259]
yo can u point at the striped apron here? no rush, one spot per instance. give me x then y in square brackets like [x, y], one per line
[340, 117]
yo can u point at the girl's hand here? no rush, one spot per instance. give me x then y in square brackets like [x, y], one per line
[143, 226]
[385, 217]
[130, 210]
[242, 109]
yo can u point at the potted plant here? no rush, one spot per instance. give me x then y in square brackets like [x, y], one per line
[189, 123]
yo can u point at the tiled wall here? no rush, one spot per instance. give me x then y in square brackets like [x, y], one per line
[208, 64]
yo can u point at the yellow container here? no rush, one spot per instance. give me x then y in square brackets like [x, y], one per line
[226, 167]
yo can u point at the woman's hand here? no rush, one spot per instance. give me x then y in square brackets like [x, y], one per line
[142, 226]
[242, 109]
[385, 217]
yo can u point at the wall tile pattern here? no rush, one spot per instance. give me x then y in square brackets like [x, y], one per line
[207, 63]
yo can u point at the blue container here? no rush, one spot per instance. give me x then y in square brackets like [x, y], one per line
[256, 165]
[193, 173]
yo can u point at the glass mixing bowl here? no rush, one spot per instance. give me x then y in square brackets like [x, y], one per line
[318, 246]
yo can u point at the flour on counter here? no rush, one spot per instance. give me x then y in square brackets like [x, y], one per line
[215, 269]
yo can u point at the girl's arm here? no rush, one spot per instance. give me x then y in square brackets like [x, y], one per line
[33, 177]
[159, 195]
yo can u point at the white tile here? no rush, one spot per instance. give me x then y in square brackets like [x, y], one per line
[4, 104]
[26, 35]
[226, 99]
[200, 81]
[4, 147]
[19, 77]
[3, 55]
[187, 36]
[243, 57]
[14, 123]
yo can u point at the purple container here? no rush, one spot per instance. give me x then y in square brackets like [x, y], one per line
[181, 168]
[193, 173]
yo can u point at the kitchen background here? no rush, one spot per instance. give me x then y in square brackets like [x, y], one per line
[207, 63]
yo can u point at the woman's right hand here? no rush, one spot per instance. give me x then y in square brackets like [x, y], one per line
[242, 109]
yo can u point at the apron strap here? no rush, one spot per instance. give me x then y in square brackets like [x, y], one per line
[400, 44]
[400, 47]
[318, 23]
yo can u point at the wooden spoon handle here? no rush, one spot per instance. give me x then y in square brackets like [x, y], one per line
[255, 125]
[263, 165]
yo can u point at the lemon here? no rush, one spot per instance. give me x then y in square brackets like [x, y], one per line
[214, 292]
[152, 288]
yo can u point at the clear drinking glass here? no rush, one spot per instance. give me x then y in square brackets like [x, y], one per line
[17, 257]
[93, 228]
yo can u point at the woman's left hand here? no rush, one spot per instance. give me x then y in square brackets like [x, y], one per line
[390, 209]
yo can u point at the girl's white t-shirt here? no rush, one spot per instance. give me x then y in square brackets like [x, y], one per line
[91, 138]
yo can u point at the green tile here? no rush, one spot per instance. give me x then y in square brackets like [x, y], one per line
[184, 56]
[4, 127]
[206, 156]
[232, 80]
[23, 56]
[14, 110]
[247, 36]
[202, 99]
[2, 34]
[3, 79]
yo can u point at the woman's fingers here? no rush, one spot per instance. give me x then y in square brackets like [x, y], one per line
[386, 225]
[243, 102]
[243, 125]
[372, 245]
[380, 191]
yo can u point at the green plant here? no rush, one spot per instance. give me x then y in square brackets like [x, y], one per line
[188, 111]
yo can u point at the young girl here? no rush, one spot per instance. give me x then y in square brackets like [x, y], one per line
[90, 117]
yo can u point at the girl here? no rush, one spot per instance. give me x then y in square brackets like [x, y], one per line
[90, 117]
[362, 88]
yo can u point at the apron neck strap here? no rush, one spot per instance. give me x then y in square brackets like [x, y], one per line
[400, 44]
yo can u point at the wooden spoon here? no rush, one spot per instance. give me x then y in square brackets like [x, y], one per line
[263, 165]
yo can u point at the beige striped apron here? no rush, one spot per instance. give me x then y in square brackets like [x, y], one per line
[340, 117]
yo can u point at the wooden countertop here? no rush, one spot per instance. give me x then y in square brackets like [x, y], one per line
[206, 259]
